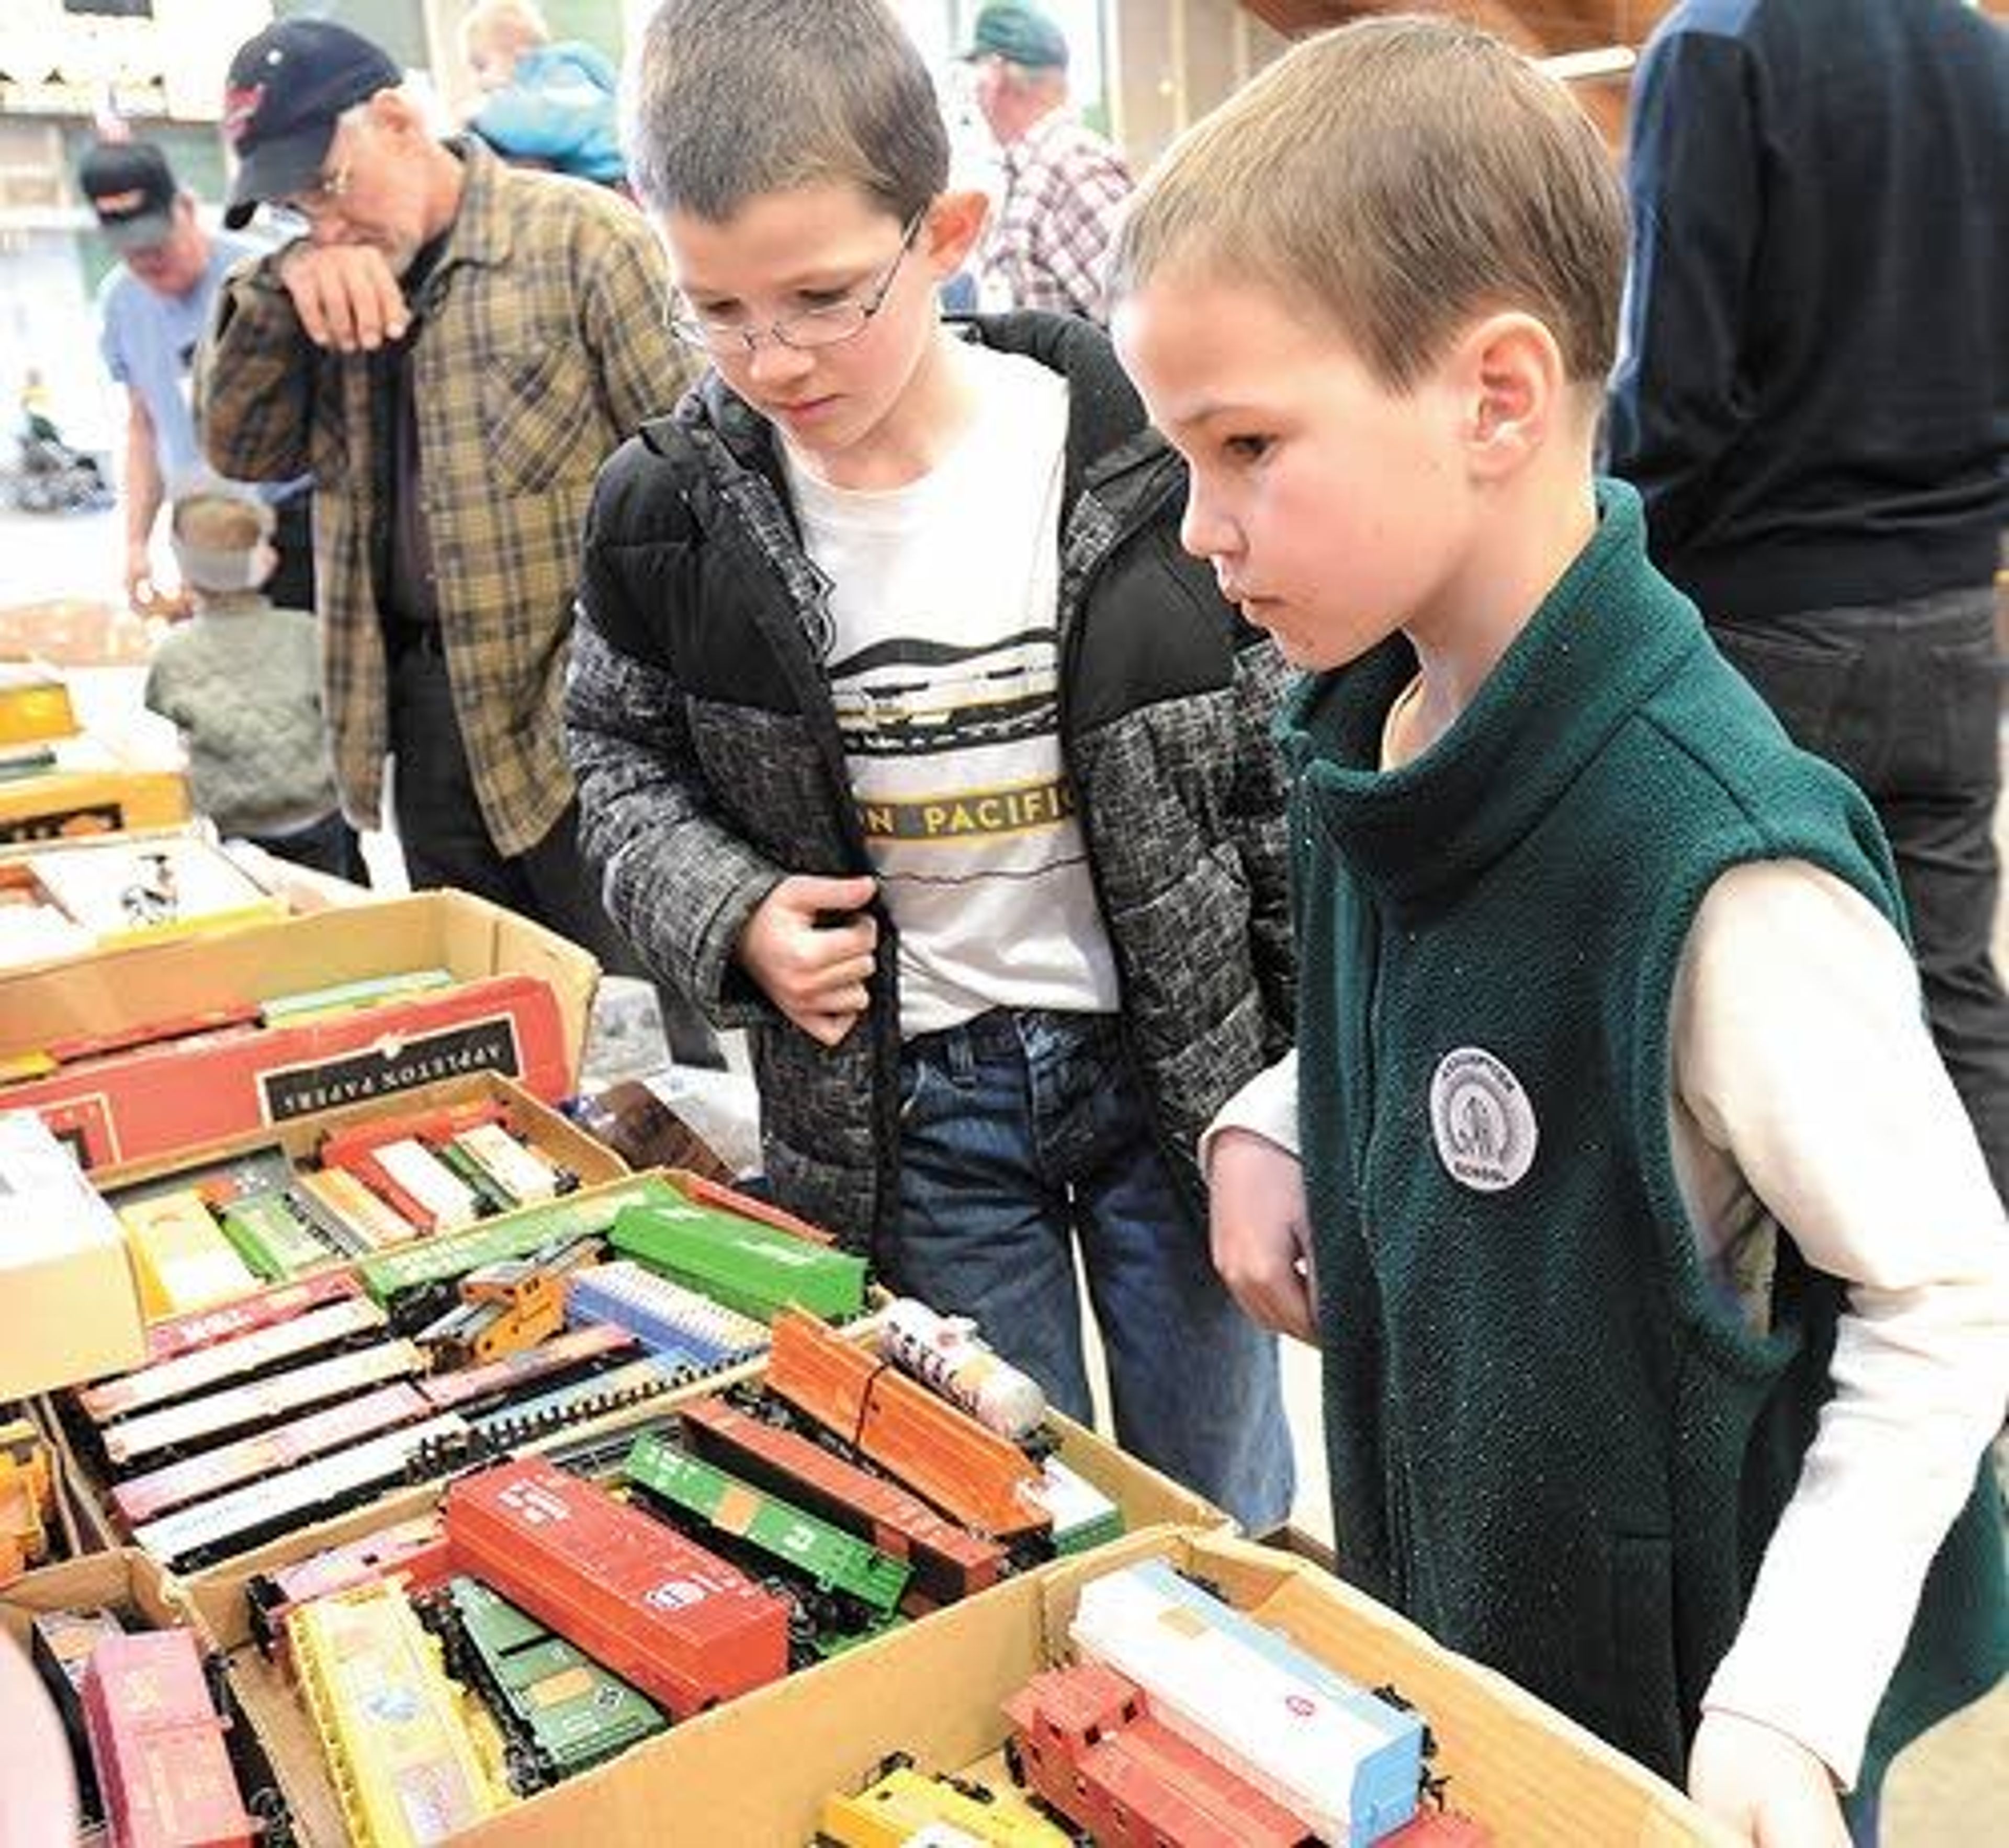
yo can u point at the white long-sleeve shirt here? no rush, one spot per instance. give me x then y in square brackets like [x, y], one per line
[1806, 1094]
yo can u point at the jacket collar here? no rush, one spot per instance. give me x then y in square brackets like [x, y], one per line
[483, 231]
[1611, 631]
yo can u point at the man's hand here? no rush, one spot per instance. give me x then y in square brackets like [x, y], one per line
[144, 594]
[1260, 1229]
[345, 295]
[814, 970]
[1767, 1788]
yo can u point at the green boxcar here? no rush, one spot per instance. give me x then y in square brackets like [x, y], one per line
[563, 1713]
[391, 1275]
[271, 1238]
[832, 1560]
[755, 1269]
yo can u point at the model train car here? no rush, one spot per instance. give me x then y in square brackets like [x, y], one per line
[561, 1711]
[901, 1806]
[412, 1759]
[157, 1745]
[1347, 1763]
[750, 1267]
[849, 1586]
[683, 1626]
[937, 1448]
[1085, 1741]
[948, 1562]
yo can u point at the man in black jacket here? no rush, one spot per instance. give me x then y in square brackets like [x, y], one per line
[1814, 401]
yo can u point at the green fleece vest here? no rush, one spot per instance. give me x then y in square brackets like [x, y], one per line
[1553, 1442]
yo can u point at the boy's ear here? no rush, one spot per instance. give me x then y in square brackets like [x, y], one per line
[1514, 382]
[955, 222]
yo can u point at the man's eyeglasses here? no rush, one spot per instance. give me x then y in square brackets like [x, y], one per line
[315, 202]
[826, 325]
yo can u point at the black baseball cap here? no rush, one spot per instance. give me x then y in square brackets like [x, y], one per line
[132, 188]
[285, 91]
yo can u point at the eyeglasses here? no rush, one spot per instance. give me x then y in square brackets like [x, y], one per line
[326, 191]
[827, 325]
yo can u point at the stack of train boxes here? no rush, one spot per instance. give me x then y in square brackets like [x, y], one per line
[516, 1001]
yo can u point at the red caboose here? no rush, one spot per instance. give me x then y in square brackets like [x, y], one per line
[655, 1608]
[1083, 1740]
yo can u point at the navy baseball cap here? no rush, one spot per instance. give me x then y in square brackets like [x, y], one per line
[285, 91]
[132, 188]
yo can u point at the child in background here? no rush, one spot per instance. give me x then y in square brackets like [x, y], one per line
[242, 679]
[906, 738]
[546, 105]
[1662, 1291]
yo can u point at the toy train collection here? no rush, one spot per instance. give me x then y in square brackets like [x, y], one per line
[287, 1405]
[162, 1757]
[612, 1554]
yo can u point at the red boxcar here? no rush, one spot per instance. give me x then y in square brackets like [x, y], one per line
[658, 1610]
[157, 1745]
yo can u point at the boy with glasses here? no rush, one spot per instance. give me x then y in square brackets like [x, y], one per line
[1663, 1293]
[453, 346]
[907, 740]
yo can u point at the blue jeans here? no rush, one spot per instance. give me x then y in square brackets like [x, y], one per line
[1022, 1132]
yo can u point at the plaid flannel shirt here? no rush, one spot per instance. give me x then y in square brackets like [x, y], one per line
[540, 345]
[1048, 244]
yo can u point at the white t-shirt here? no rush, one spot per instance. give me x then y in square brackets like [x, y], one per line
[945, 668]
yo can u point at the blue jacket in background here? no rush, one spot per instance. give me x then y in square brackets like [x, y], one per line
[557, 111]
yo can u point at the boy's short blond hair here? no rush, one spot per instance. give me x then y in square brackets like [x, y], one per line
[1396, 177]
[215, 532]
[517, 24]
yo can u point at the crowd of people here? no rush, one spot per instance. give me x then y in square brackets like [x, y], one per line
[1337, 757]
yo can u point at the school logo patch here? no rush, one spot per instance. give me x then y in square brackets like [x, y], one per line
[1482, 1121]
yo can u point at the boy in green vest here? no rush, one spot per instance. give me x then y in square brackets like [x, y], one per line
[1663, 1295]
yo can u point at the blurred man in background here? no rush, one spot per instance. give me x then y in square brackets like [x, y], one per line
[152, 310]
[1047, 244]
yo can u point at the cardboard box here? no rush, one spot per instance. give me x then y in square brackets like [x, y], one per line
[131, 1584]
[643, 1792]
[522, 1009]
[74, 1308]
[126, 1579]
[555, 1134]
[755, 1773]
[89, 792]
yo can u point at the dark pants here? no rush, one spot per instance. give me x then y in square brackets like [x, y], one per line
[330, 846]
[1906, 699]
[446, 843]
[291, 585]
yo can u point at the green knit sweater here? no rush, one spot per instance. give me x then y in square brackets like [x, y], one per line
[1553, 1442]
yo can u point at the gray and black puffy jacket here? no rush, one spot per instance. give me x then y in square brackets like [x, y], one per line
[703, 734]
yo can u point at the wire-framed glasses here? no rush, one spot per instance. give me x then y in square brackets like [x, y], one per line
[826, 324]
[316, 200]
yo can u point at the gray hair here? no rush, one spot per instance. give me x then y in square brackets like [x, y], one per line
[725, 101]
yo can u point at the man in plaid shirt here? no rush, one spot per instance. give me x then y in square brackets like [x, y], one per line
[1048, 242]
[452, 347]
